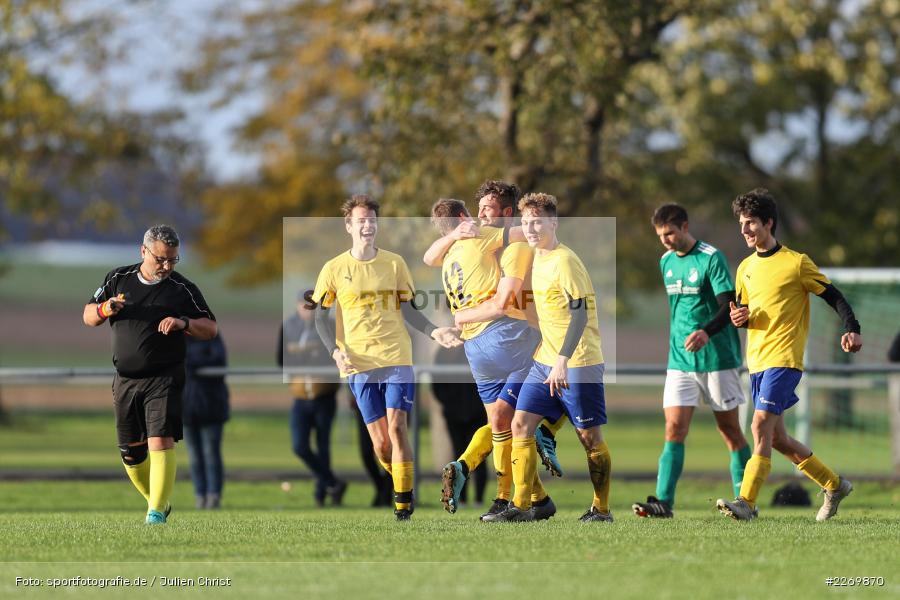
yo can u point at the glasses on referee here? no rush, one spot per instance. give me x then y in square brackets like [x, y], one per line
[162, 260]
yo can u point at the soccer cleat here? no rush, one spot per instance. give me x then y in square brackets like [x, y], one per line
[336, 492]
[546, 448]
[496, 508]
[452, 482]
[833, 499]
[738, 509]
[403, 514]
[168, 510]
[512, 514]
[544, 509]
[653, 507]
[154, 517]
[592, 514]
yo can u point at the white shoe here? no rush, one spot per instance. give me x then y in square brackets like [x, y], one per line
[833, 499]
[738, 509]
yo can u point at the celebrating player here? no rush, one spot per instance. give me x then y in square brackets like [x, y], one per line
[373, 289]
[150, 307]
[773, 287]
[566, 376]
[704, 353]
[498, 346]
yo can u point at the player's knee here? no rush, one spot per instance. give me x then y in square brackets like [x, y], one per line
[677, 431]
[133, 455]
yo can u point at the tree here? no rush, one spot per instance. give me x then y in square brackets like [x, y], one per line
[52, 144]
[419, 99]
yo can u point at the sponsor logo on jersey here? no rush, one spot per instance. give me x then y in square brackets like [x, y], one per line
[669, 273]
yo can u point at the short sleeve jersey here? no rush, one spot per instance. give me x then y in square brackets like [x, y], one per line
[369, 323]
[470, 274]
[139, 349]
[558, 277]
[692, 283]
[776, 289]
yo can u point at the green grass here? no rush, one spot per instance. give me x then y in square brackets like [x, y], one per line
[255, 440]
[56, 286]
[274, 544]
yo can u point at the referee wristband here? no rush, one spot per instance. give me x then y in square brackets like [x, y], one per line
[100, 312]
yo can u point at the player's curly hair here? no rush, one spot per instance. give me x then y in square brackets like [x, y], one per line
[666, 214]
[539, 202]
[758, 203]
[507, 194]
[359, 200]
[444, 213]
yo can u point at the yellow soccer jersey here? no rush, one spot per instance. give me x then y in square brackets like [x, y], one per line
[556, 277]
[370, 326]
[470, 274]
[515, 261]
[776, 288]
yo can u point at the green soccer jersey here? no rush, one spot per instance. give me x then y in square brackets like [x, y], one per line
[692, 283]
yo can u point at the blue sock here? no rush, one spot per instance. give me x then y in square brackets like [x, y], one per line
[671, 462]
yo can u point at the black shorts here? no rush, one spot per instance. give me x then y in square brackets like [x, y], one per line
[149, 406]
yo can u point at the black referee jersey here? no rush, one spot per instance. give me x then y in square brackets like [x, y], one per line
[139, 349]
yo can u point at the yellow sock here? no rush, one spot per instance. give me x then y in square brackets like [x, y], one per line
[600, 469]
[755, 474]
[140, 476]
[816, 470]
[554, 427]
[502, 445]
[402, 473]
[478, 449]
[524, 470]
[538, 492]
[386, 465]
[162, 478]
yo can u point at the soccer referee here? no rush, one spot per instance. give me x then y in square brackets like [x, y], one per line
[150, 307]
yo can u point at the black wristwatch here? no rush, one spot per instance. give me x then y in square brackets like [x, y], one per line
[187, 323]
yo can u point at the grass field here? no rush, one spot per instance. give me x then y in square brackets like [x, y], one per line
[273, 543]
[261, 440]
[270, 545]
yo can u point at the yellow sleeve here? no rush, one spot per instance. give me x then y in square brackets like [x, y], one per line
[516, 260]
[325, 291]
[740, 293]
[813, 280]
[405, 280]
[490, 239]
[573, 279]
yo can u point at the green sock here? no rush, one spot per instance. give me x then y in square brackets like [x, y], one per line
[671, 461]
[739, 459]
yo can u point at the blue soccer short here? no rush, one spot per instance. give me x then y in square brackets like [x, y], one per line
[377, 390]
[500, 358]
[583, 402]
[772, 390]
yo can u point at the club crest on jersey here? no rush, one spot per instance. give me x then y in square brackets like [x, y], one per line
[693, 275]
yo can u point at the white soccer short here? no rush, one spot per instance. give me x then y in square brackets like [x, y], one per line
[721, 390]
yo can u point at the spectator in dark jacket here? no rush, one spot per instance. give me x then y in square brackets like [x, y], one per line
[463, 412]
[205, 413]
[315, 400]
